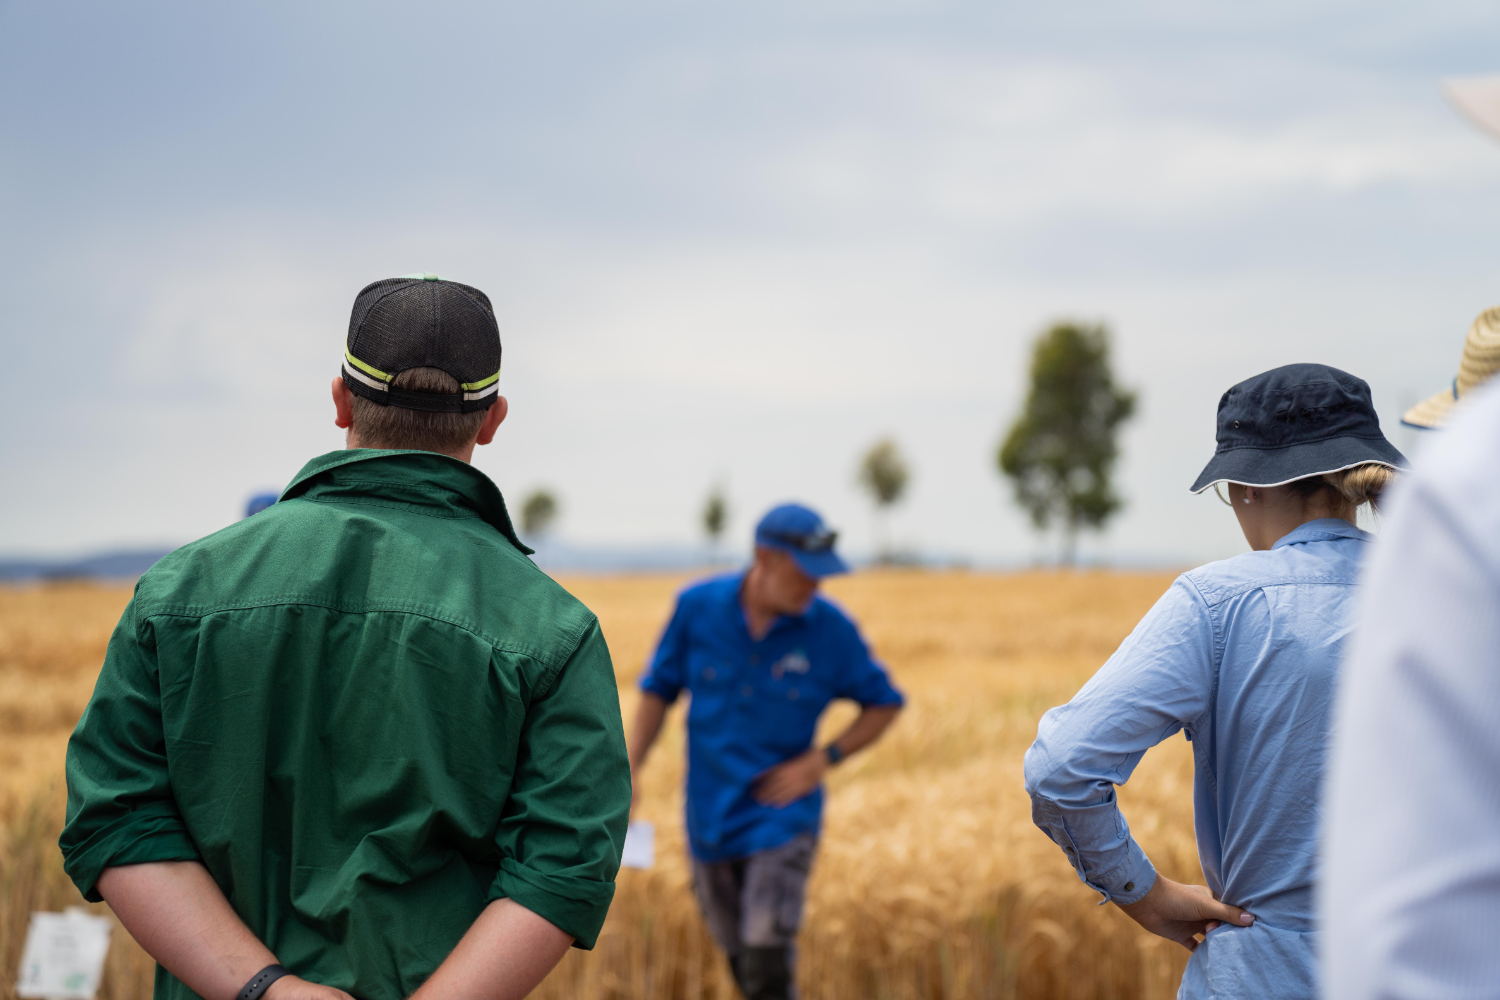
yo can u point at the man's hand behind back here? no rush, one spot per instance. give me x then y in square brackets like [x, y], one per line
[791, 779]
[293, 988]
[1180, 912]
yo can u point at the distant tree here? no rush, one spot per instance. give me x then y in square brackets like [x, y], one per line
[884, 475]
[538, 511]
[1060, 452]
[715, 517]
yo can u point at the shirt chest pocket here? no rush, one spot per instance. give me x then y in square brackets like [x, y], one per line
[795, 678]
[708, 672]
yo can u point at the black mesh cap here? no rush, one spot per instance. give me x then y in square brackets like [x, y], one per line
[422, 321]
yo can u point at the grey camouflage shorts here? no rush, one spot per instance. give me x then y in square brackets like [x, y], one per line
[755, 902]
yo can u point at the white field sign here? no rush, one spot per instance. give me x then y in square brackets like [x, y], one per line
[64, 956]
[640, 845]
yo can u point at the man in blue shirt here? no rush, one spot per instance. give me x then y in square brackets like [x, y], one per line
[762, 654]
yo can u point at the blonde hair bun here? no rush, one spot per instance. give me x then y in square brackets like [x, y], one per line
[1361, 484]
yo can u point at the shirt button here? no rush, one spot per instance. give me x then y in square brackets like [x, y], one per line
[1129, 886]
[746, 690]
[1068, 849]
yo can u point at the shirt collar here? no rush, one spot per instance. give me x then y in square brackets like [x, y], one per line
[1324, 529]
[780, 623]
[456, 483]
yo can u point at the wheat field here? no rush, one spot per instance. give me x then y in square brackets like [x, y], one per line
[931, 881]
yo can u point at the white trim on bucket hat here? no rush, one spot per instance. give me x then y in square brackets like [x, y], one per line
[1478, 97]
[1480, 361]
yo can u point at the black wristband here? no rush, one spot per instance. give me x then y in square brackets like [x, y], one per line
[833, 753]
[262, 981]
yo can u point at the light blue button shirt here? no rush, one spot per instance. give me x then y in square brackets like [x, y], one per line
[1242, 654]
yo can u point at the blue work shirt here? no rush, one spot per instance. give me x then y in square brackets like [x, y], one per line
[1244, 655]
[754, 705]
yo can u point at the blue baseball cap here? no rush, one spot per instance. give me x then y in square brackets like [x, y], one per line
[801, 533]
[260, 502]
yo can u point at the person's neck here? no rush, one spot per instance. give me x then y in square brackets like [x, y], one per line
[1275, 529]
[465, 455]
[759, 614]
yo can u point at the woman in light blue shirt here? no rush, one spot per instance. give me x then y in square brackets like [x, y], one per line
[1243, 656]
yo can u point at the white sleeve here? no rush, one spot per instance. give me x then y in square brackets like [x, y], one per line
[1410, 900]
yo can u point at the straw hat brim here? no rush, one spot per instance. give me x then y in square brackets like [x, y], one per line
[1478, 97]
[1431, 412]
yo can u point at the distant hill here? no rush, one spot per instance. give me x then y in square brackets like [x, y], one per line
[551, 555]
[104, 566]
[555, 556]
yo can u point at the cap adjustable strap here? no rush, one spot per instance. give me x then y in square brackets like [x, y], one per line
[453, 402]
[434, 402]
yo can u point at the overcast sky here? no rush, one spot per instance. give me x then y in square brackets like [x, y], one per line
[725, 242]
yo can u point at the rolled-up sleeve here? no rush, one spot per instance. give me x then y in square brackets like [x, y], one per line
[564, 823]
[667, 673]
[120, 805]
[1156, 683]
[863, 679]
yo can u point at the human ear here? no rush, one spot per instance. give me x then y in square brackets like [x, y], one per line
[343, 404]
[493, 418]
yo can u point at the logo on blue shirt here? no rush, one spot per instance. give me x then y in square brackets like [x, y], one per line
[795, 662]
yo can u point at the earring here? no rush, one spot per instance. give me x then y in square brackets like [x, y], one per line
[1247, 499]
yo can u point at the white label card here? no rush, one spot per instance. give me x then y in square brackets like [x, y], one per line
[640, 845]
[64, 956]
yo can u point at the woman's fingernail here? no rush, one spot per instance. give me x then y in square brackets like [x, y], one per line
[1246, 919]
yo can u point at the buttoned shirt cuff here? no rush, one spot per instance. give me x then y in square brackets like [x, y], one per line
[574, 905]
[1125, 883]
[145, 835]
[1122, 877]
[1120, 872]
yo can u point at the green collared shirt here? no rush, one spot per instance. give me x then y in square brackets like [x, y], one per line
[369, 715]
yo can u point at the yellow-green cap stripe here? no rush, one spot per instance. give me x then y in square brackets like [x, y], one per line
[471, 386]
[368, 370]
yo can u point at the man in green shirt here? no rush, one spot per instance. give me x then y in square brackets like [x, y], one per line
[358, 745]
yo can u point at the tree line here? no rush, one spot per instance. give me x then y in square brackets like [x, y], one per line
[1059, 453]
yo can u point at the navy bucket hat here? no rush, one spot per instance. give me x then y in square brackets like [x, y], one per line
[1293, 422]
[800, 532]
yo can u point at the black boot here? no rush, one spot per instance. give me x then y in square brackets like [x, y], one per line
[737, 969]
[763, 973]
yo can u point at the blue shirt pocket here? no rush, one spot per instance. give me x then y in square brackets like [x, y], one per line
[711, 682]
[708, 673]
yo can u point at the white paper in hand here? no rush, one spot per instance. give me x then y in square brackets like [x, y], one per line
[640, 845]
[64, 956]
